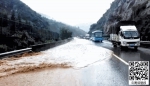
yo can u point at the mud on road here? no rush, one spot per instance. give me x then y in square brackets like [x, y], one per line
[9, 67]
[70, 57]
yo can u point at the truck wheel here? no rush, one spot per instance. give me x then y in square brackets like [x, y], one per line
[121, 47]
[135, 47]
[114, 45]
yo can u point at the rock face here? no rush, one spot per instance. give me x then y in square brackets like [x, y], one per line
[127, 10]
[101, 22]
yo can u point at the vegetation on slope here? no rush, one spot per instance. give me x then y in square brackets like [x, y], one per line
[21, 27]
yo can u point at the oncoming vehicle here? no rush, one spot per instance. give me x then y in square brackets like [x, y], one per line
[87, 36]
[125, 34]
[97, 36]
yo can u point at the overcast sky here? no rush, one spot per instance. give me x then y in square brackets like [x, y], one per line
[72, 12]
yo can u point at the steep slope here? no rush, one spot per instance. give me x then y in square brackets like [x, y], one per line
[59, 25]
[101, 22]
[21, 27]
[23, 11]
[128, 10]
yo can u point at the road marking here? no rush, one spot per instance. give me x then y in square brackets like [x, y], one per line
[121, 59]
[126, 63]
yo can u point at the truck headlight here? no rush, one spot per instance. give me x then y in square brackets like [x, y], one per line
[124, 42]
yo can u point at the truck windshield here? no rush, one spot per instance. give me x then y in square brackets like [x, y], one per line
[131, 34]
[98, 34]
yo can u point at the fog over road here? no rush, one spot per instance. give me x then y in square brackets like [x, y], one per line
[77, 63]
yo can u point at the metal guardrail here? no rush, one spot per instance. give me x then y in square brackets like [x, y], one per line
[45, 46]
[35, 48]
[15, 52]
[144, 41]
[145, 44]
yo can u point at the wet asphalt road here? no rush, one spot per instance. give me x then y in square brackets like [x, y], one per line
[107, 72]
[128, 54]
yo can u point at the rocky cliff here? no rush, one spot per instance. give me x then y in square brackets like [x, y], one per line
[127, 10]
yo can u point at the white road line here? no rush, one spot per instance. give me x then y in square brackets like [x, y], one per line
[121, 59]
[126, 63]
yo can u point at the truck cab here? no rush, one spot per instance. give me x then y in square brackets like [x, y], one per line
[124, 34]
[128, 36]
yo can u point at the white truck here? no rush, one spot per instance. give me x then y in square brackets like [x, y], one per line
[124, 34]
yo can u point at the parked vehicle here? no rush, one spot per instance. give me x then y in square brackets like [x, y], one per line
[97, 36]
[124, 34]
